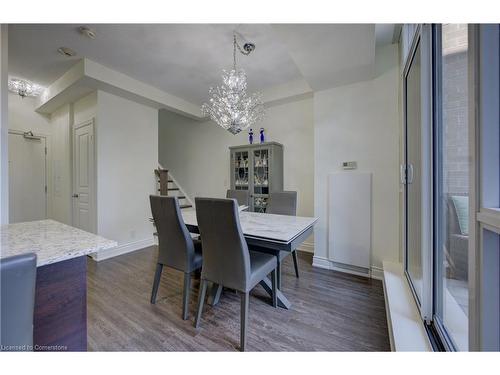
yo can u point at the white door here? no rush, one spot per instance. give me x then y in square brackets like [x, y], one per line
[84, 213]
[27, 178]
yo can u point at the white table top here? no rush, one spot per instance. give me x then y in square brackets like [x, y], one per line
[280, 228]
[50, 240]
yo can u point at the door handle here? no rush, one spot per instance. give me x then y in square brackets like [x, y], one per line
[75, 195]
[402, 174]
[410, 173]
[406, 173]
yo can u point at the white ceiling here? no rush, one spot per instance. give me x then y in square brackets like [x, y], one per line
[329, 55]
[184, 60]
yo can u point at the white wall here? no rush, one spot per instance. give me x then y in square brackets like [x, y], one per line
[85, 108]
[197, 155]
[22, 116]
[4, 127]
[360, 122]
[61, 121]
[127, 154]
[60, 149]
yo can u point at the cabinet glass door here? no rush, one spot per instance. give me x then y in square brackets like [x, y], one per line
[260, 179]
[240, 170]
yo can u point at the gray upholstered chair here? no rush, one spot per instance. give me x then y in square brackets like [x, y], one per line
[284, 203]
[227, 261]
[241, 196]
[176, 248]
[18, 281]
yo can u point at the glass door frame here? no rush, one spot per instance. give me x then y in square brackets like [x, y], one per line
[438, 212]
[484, 83]
[422, 37]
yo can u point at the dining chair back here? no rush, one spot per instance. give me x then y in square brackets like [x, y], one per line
[18, 281]
[241, 196]
[227, 261]
[282, 203]
[176, 247]
[226, 258]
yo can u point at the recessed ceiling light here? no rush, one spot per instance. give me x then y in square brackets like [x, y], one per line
[87, 31]
[65, 51]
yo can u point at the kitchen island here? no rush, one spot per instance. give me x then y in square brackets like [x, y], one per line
[60, 316]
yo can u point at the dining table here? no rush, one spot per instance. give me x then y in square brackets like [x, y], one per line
[269, 232]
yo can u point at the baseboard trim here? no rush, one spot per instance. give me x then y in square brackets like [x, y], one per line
[373, 272]
[123, 249]
[306, 247]
[377, 273]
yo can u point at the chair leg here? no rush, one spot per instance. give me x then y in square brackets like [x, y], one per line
[201, 299]
[156, 282]
[274, 282]
[185, 296]
[295, 263]
[243, 321]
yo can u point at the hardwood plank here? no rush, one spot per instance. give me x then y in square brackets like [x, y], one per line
[330, 311]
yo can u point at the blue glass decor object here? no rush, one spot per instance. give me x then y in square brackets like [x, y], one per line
[250, 136]
[262, 138]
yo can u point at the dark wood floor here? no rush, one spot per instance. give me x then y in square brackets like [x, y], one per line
[331, 311]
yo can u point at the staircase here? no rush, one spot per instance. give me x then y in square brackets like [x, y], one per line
[167, 186]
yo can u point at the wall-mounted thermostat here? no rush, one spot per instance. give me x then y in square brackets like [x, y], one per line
[349, 165]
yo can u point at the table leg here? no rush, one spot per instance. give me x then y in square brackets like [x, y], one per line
[278, 270]
[214, 294]
[282, 300]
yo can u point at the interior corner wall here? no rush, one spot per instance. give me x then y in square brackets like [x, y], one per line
[61, 121]
[127, 154]
[361, 122]
[4, 127]
[196, 153]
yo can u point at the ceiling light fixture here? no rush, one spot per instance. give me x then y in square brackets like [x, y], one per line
[229, 105]
[24, 88]
[65, 51]
[87, 31]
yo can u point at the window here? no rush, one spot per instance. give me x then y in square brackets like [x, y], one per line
[451, 185]
[451, 174]
[451, 86]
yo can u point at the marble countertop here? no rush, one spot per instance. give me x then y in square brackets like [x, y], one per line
[275, 227]
[50, 240]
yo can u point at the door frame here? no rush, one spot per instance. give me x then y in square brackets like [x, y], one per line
[93, 185]
[423, 37]
[48, 168]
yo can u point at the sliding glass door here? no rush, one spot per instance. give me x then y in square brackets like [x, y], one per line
[416, 171]
[451, 175]
[412, 172]
[451, 184]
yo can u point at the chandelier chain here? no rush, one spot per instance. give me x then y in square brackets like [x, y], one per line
[242, 51]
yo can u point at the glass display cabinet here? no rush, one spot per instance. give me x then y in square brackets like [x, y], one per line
[257, 168]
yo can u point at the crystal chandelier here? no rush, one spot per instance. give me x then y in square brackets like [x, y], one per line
[24, 88]
[229, 105]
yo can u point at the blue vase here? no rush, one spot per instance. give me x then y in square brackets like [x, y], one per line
[262, 138]
[250, 136]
